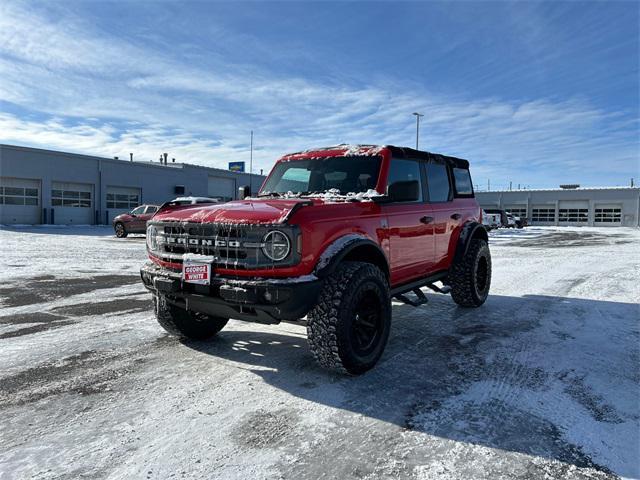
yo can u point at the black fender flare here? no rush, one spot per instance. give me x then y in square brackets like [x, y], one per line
[469, 231]
[348, 245]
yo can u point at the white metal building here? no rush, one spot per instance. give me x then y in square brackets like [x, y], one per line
[44, 186]
[605, 206]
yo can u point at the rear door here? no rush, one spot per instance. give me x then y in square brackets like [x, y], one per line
[440, 203]
[411, 241]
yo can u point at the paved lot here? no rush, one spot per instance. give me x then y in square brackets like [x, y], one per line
[541, 382]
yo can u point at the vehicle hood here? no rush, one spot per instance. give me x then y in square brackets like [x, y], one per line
[122, 216]
[267, 211]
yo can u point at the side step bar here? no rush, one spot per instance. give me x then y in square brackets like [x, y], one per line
[421, 298]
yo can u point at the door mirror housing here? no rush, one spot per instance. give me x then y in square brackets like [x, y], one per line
[244, 192]
[404, 191]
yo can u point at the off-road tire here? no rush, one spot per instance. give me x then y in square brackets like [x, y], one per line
[121, 232]
[185, 324]
[470, 278]
[334, 323]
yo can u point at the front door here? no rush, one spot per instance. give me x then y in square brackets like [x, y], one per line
[139, 220]
[410, 225]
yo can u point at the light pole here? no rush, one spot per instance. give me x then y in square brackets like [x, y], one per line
[251, 164]
[418, 115]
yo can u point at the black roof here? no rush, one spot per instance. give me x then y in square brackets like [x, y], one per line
[406, 152]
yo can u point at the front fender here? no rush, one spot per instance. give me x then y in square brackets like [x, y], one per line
[345, 246]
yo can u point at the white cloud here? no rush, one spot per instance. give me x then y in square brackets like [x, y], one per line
[80, 90]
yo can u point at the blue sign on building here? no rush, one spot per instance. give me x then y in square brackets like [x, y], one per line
[236, 167]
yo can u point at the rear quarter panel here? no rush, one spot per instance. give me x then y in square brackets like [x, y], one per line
[470, 211]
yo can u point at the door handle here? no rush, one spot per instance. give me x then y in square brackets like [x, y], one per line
[426, 220]
[456, 216]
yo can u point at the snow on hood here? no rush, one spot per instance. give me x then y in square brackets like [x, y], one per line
[259, 210]
[262, 211]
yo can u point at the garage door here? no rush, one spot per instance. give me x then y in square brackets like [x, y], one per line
[72, 203]
[19, 201]
[222, 188]
[121, 199]
[517, 210]
[543, 214]
[575, 212]
[608, 214]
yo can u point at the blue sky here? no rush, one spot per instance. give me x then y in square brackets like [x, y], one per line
[537, 93]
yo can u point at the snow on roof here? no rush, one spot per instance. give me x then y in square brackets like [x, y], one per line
[344, 149]
[557, 189]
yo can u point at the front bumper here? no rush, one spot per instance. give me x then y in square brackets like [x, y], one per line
[256, 300]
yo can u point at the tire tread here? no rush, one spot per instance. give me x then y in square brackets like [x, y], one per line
[322, 320]
[462, 278]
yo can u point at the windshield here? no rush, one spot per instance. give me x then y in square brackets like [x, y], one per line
[317, 175]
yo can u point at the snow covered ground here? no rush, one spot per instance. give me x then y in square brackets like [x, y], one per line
[543, 381]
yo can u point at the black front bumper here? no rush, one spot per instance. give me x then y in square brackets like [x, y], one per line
[255, 300]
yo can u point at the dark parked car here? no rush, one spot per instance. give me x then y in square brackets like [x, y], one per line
[134, 221]
[192, 200]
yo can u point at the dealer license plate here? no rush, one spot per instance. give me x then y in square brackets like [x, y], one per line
[196, 272]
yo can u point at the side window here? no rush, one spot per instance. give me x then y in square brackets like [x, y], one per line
[138, 211]
[438, 182]
[463, 181]
[404, 182]
[151, 209]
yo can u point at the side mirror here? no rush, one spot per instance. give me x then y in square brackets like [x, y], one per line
[404, 191]
[244, 192]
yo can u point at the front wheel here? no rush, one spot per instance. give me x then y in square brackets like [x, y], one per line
[349, 327]
[120, 230]
[184, 323]
[470, 278]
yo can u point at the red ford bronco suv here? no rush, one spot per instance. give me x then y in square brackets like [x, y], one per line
[334, 234]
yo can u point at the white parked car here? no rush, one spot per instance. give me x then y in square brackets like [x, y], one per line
[515, 221]
[491, 220]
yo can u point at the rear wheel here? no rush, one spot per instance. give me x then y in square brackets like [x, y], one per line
[470, 278]
[120, 230]
[349, 327]
[186, 324]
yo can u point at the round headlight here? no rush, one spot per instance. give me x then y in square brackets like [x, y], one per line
[276, 245]
[152, 238]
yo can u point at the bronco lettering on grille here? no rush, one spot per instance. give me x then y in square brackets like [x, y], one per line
[201, 241]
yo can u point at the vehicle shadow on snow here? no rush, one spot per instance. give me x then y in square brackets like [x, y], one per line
[538, 375]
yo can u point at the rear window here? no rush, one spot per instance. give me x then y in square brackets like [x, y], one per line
[438, 182]
[463, 181]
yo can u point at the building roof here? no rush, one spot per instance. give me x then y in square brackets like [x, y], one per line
[153, 164]
[581, 189]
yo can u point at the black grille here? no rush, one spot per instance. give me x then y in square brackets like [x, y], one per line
[237, 246]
